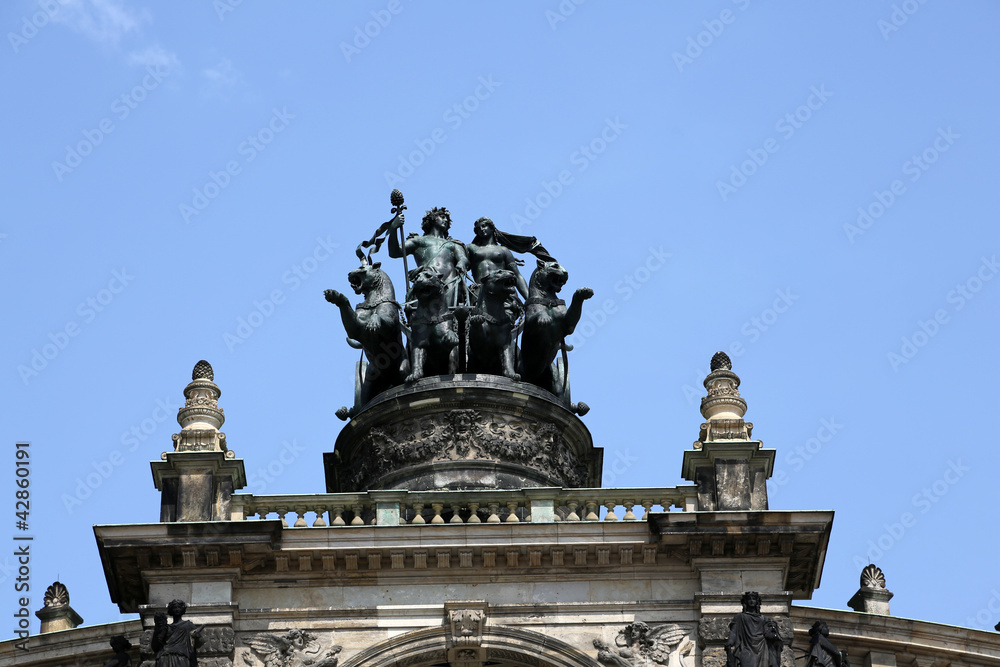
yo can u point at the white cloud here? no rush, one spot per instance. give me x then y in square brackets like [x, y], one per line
[223, 74]
[221, 80]
[155, 56]
[103, 21]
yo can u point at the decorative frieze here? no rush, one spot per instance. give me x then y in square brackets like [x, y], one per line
[293, 648]
[642, 645]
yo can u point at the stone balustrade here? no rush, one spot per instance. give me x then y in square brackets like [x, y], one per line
[394, 508]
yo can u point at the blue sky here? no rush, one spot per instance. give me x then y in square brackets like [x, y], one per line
[811, 187]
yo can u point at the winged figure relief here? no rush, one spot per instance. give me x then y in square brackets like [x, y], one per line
[294, 648]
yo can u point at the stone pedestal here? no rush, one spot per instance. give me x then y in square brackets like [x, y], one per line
[731, 476]
[463, 432]
[57, 614]
[873, 597]
[58, 618]
[871, 601]
[197, 486]
[196, 481]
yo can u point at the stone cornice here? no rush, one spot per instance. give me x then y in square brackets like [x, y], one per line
[801, 537]
[859, 633]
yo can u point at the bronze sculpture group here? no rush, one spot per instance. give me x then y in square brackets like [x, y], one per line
[174, 643]
[465, 309]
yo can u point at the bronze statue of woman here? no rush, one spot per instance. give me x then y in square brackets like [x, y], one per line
[174, 643]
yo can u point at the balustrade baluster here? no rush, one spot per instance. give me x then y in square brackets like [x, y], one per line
[629, 516]
[437, 507]
[474, 513]
[338, 518]
[512, 517]
[572, 505]
[319, 522]
[591, 511]
[300, 522]
[357, 520]
[611, 516]
[494, 513]
[456, 516]
[417, 517]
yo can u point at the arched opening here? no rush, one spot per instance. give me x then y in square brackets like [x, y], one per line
[501, 647]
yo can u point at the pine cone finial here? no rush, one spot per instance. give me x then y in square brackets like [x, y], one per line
[396, 198]
[721, 360]
[203, 370]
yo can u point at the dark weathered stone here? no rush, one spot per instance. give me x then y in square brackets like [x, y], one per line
[195, 496]
[714, 629]
[463, 432]
[168, 500]
[732, 485]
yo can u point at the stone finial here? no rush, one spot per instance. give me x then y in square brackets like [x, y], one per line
[56, 595]
[197, 479]
[872, 577]
[721, 360]
[730, 468]
[203, 371]
[201, 417]
[873, 597]
[56, 614]
[723, 407]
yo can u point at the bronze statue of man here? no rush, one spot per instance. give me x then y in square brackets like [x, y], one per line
[437, 250]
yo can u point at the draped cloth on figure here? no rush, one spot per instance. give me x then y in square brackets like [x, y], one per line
[753, 641]
[178, 649]
[521, 244]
